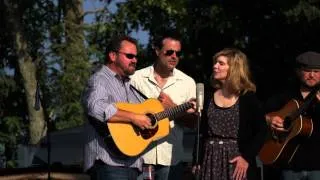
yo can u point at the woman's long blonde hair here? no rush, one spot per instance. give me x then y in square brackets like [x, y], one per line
[238, 79]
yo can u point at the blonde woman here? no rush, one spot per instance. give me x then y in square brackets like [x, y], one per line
[233, 126]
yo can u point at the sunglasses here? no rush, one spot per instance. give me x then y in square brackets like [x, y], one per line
[170, 52]
[128, 55]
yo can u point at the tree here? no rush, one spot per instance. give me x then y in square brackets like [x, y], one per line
[26, 66]
[270, 32]
[74, 65]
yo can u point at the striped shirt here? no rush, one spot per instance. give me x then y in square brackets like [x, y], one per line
[104, 89]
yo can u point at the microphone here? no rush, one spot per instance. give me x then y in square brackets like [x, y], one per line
[200, 96]
[37, 98]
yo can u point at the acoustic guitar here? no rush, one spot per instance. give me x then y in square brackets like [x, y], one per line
[129, 139]
[280, 147]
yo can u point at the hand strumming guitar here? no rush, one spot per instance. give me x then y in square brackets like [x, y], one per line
[141, 120]
[276, 123]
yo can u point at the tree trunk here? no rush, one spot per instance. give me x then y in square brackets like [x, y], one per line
[27, 69]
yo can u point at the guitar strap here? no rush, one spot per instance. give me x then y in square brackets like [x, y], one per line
[103, 131]
[99, 126]
[139, 92]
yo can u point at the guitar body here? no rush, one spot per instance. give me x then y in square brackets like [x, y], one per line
[131, 140]
[280, 147]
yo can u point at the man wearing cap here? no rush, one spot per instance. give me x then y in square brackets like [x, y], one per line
[305, 162]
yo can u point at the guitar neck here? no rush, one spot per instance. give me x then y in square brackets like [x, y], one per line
[306, 103]
[172, 112]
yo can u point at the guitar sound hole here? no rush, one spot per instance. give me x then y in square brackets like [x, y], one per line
[282, 137]
[153, 119]
[148, 133]
[287, 122]
[278, 136]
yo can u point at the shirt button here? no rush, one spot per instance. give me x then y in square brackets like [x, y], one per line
[220, 142]
[210, 142]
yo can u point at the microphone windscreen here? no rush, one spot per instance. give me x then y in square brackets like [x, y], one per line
[200, 95]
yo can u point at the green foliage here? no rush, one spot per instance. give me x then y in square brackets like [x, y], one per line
[12, 128]
[75, 68]
[11, 131]
[153, 15]
[272, 32]
[303, 10]
[72, 117]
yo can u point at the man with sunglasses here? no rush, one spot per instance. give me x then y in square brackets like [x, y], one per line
[107, 86]
[172, 87]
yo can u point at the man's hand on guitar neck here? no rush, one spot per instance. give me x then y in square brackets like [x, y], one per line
[166, 101]
[276, 123]
[193, 109]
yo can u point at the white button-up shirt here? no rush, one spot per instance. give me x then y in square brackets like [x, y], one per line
[180, 87]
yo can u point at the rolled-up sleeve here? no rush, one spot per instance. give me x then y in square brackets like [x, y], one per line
[97, 100]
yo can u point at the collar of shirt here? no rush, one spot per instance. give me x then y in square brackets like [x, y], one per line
[109, 72]
[150, 74]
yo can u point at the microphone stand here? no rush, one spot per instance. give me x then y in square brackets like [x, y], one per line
[197, 175]
[50, 120]
[49, 145]
[37, 106]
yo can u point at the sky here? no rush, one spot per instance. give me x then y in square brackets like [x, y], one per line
[141, 36]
